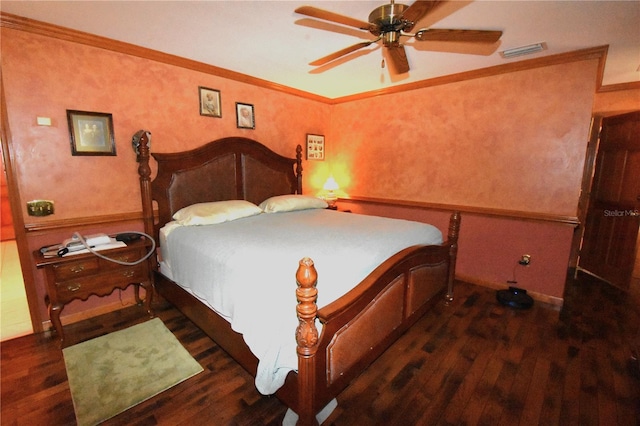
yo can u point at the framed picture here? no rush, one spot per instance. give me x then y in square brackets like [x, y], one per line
[210, 102]
[91, 133]
[244, 116]
[315, 147]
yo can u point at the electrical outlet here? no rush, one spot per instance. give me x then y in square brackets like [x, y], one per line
[525, 260]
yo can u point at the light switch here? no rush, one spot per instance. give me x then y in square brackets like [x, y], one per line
[43, 121]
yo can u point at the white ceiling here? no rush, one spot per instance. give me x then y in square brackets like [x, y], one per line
[267, 40]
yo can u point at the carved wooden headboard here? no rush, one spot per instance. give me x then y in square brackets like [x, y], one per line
[232, 168]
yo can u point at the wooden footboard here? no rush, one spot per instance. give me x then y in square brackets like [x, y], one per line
[360, 326]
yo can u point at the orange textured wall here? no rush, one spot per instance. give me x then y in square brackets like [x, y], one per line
[513, 141]
[490, 246]
[45, 77]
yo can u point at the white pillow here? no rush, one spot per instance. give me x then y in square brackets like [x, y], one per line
[289, 203]
[215, 212]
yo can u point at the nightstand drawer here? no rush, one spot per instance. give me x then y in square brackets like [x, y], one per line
[100, 284]
[80, 268]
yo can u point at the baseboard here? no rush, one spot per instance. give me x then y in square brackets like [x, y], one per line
[552, 301]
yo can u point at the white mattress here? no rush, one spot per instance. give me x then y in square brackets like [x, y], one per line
[245, 270]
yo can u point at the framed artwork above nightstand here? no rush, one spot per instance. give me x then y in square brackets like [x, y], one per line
[315, 147]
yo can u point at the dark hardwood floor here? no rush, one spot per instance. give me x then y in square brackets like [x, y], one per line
[475, 362]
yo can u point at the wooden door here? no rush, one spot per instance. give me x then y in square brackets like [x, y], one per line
[613, 216]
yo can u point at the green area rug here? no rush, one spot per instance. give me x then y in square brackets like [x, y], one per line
[112, 373]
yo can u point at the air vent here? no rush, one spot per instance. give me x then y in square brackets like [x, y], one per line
[524, 50]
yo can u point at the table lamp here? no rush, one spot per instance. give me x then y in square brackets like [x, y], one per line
[331, 186]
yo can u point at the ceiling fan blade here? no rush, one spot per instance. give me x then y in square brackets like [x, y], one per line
[417, 11]
[314, 12]
[398, 57]
[481, 36]
[339, 53]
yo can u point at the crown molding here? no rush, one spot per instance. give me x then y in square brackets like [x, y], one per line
[49, 30]
[633, 85]
[15, 22]
[593, 53]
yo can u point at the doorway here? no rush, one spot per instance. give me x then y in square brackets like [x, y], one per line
[15, 319]
[610, 235]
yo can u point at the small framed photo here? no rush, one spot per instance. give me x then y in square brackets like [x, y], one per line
[315, 147]
[210, 102]
[91, 133]
[244, 116]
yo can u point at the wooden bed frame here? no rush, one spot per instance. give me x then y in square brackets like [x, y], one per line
[357, 328]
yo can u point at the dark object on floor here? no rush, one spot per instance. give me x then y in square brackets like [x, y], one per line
[515, 298]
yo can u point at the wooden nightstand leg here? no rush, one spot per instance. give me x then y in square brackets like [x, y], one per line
[148, 297]
[136, 293]
[54, 315]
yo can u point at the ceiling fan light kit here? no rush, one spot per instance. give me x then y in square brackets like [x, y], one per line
[392, 21]
[523, 50]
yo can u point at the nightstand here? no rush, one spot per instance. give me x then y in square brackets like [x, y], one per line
[82, 275]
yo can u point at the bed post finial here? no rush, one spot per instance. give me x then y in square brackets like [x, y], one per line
[299, 168]
[454, 229]
[307, 339]
[306, 293]
[141, 141]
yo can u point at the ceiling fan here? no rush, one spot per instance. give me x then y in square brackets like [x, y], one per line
[390, 22]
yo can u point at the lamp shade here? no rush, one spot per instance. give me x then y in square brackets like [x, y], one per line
[330, 184]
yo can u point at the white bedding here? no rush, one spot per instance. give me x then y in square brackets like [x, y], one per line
[245, 270]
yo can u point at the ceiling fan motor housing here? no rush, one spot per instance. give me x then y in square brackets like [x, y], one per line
[387, 21]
